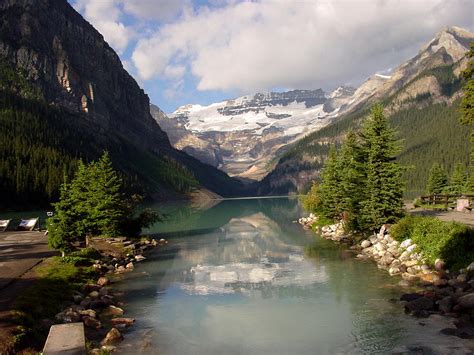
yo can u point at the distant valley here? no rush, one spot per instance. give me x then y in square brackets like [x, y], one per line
[281, 139]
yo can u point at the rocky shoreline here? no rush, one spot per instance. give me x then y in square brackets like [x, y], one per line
[98, 306]
[450, 294]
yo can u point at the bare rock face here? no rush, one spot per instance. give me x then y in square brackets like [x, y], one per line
[241, 136]
[74, 69]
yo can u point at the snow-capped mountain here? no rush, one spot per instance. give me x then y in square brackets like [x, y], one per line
[240, 136]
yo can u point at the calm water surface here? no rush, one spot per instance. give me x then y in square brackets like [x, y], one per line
[241, 278]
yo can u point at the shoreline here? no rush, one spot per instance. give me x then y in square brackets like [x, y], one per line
[94, 302]
[444, 293]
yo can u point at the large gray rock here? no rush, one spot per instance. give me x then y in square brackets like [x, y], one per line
[113, 337]
[467, 301]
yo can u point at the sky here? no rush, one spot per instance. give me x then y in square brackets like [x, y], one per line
[199, 52]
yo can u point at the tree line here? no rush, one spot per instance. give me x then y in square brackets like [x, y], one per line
[94, 203]
[361, 181]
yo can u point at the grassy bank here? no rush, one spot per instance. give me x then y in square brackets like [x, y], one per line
[450, 241]
[57, 279]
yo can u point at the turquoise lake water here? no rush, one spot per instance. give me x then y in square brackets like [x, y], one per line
[242, 278]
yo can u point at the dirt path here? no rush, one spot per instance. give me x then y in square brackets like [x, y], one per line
[461, 217]
[20, 252]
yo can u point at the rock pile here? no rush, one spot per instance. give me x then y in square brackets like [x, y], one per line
[96, 305]
[397, 258]
[333, 232]
[454, 298]
[307, 222]
[444, 292]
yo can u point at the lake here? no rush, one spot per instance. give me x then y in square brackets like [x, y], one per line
[242, 278]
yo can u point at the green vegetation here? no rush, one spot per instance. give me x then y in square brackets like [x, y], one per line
[41, 143]
[361, 182]
[437, 180]
[449, 241]
[93, 204]
[311, 201]
[383, 187]
[430, 131]
[46, 297]
[431, 134]
[467, 107]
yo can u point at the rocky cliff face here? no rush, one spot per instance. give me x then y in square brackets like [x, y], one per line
[241, 136]
[75, 68]
[431, 77]
[77, 71]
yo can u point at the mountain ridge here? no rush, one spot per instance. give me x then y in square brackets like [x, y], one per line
[429, 79]
[76, 72]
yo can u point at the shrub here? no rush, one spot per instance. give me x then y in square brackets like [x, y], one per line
[312, 201]
[403, 229]
[321, 222]
[453, 242]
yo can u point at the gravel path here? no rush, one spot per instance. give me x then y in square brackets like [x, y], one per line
[20, 252]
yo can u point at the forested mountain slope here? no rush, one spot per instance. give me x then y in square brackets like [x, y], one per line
[65, 95]
[421, 97]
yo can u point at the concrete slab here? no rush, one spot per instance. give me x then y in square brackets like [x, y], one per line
[65, 339]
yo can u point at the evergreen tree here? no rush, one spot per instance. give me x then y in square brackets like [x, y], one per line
[467, 108]
[383, 190]
[330, 189]
[458, 181]
[93, 203]
[61, 234]
[105, 201]
[437, 180]
[352, 179]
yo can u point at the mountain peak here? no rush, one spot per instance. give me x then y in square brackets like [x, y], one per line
[454, 40]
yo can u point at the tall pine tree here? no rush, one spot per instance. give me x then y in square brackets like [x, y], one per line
[352, 179]
[437, 180]
[467, 108]
[330, 189]
[458, 181]
[383, 192]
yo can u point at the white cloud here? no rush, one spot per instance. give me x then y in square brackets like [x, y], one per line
[155, 10]
[105, 17]
[251, 46]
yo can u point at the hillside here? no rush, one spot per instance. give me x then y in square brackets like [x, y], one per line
[421, 98]
[65, 96]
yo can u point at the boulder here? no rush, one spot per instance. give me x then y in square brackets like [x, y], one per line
[129, 266]
[113, 337]
[409, 277]
[420, 304]
[408, 297]
[365, 244]
[466, 301]
[388, 239]
[125, 321]
[411, 248]
[94, 294]
[90, 322]
[470, 268]
[439, 265]
[387, 259]
[88, 312]
[445, 305]
[113, 311]
[102, 281]
[406, 243]
[68, 316]
[139, 257]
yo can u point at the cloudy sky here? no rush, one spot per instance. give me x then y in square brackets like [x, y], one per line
[184, 51]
